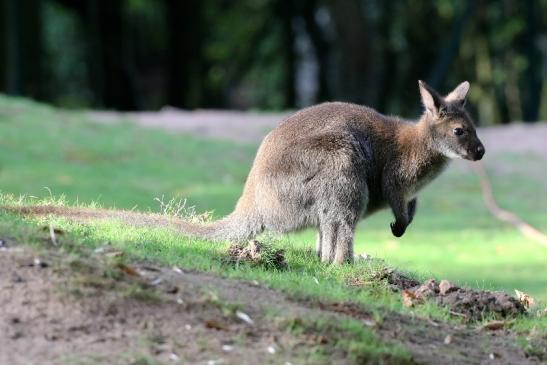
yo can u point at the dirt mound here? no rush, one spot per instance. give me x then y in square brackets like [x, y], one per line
[396, 280]
[469, 303]
[257, 254]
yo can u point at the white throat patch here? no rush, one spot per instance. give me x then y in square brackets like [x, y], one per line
[448, 152]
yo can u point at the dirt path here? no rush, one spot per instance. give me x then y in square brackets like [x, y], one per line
[245, 127]
[251, 127]
[59, 308]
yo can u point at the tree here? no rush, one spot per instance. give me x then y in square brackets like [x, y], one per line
[23, 65]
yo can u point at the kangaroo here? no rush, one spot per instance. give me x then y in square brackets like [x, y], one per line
[329, 165]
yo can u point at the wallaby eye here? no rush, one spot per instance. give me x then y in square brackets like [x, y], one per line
[458, 131]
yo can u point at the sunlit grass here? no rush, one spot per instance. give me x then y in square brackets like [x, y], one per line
[453, 235]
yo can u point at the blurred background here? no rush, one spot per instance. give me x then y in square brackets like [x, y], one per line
[276, 54]
[83, 77]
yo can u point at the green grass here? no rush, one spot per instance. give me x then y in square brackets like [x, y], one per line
[48, 152]
[124, 166]
[305, 278]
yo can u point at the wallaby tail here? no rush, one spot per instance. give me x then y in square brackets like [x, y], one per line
[235, 227]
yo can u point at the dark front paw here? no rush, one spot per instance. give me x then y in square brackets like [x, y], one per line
[411, 210]
[397, 229]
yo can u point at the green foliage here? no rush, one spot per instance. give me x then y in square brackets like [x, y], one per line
[264, 54]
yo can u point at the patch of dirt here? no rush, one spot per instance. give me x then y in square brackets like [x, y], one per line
[64, 312]
[257, 254]
[246, 127]
[58, 308]
[396, 280]
[467, 303]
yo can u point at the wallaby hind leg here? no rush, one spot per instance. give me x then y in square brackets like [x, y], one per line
[318, 244]
[337, 238]
[329, 231]
[343, 251]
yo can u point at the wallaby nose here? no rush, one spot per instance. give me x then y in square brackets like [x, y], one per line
[480, 151]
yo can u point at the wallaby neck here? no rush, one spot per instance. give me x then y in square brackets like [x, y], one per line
[419, 154]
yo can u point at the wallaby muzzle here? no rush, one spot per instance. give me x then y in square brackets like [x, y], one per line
[476, 152]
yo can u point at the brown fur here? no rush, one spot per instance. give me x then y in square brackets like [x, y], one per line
[329, 165]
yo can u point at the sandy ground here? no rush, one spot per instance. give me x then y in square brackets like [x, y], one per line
[251, 127]
[244, 127]
[78, 309]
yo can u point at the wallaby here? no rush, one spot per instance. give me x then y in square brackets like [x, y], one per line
[329, 165]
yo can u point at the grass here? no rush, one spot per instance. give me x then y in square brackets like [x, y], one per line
[124, 166]
[305, 278]
[50, 152]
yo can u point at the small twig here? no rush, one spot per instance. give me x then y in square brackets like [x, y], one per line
[52, 235]
[458, 314]
[504, 215]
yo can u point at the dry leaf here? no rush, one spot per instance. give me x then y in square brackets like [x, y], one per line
[244, 317]
[114, 254]
[447, 340]
[493, 325]
[128, 270]
[58, 231]
[446, 287]
[214, 324]
[410, 299]
[526, 300]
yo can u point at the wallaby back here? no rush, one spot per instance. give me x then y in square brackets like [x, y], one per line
[329, 165]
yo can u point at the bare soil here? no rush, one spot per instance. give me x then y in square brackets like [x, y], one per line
[251, 127]
[64, 308]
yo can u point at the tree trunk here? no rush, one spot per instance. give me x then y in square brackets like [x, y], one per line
[23, 62]
[184, 53]
[357, 68]
[452, 47]
[321, 49]
[532, 81]
[285, 12]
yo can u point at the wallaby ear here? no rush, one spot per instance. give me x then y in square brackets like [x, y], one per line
[431, 99]
[459, 94]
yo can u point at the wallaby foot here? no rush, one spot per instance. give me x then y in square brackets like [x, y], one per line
[318, 244]
[398, 228]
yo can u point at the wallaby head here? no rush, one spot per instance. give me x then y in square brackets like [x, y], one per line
[450, 127]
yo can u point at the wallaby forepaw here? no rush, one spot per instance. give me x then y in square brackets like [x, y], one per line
[397, 229]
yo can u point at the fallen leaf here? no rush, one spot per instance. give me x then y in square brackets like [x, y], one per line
[156, 281]
[447, 340]
[526, 300]
[39, 263]
[493, 325]
[214, 324]
[244, 317]
[446, 287]
[114, 254]
[227, 348]
[58, 231]
[128, 270]
[410, 299]
[215, 362]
